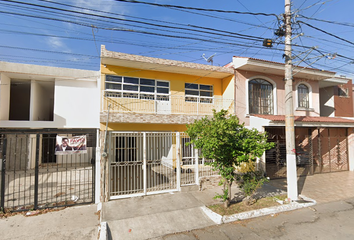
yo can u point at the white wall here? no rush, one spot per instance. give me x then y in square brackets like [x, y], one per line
[327, 102]
[76, 103]
[5, 85]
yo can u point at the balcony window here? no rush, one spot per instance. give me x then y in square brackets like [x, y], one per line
[260, 97]
[303, 96]
[198, 93]
[140, 88]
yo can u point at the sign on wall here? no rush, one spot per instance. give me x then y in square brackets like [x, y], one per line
[70, 145]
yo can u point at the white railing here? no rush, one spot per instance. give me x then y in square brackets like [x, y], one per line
[165, 104]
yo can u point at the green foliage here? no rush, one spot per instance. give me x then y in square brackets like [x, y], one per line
[227, 141]
[223, 196]
[251, 181]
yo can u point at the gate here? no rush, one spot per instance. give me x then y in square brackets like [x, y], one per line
[33, 177]
[144, 163]
[319, 150]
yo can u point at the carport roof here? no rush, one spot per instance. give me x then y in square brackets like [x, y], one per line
[308, 119]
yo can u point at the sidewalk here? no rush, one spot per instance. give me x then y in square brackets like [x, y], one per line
[72, 223]
[151, 217]
[157, 215]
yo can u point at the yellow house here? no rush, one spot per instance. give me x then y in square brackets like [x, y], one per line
[145, 105]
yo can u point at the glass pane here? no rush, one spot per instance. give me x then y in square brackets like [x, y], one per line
[144, 81]
[130, 95]
[111, 78]
[191, 92]
[147, 96]
[163, 98]
[206, 94]
[206, 100]
[116, 86]
[191, 86]
[163, 84]
[147, 89]
[163, 90]
[113, 94]
[191, 99]
[130, 88]
[131, 80]
[205, 87]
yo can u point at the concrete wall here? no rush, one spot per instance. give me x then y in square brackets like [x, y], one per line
[76, 103]
[4, 96]
[327, 102]
[60, 97]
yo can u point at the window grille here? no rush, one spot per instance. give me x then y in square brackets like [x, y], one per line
[260, 97]
[303, 96]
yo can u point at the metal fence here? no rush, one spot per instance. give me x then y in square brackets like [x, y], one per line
[318, 150]
[152, 162]
[33, 177]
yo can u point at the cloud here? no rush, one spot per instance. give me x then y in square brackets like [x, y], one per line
[57, 43]
[102, 5]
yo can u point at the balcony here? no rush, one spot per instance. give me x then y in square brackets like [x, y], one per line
[164, 104]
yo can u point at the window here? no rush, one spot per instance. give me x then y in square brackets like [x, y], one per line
[260, 97]
[303, 96]
[141, 88]
[342, 92]
[198, 93]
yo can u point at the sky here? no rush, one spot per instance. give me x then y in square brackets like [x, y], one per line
[70, 33]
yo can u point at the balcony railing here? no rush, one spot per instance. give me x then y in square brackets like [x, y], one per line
[164, 104]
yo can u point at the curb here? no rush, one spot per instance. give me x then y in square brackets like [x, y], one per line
[219, 219]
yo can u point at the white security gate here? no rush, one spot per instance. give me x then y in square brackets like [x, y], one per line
[144, 163]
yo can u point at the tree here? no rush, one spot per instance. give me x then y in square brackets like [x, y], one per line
[229, 143]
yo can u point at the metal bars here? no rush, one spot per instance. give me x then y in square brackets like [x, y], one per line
[144, 163]
[33, 177]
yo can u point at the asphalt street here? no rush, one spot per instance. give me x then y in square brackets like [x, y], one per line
[332, 220]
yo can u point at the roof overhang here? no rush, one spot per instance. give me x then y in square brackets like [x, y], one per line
[163, 65]
[256, 65]
[279, 121]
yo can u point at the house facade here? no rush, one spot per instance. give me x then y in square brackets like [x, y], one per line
[322, 108]
[38, 104]
[147, 102]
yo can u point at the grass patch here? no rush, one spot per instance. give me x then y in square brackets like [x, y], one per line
[241, 207]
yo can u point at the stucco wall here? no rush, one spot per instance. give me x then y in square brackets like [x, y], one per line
[4, 96]
[242, 78]
[327, 102]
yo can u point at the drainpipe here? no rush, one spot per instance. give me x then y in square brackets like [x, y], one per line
[104, 173]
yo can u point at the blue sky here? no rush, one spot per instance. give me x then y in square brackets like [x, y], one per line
[50, 37]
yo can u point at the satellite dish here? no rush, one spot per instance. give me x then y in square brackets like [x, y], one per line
[209, 59]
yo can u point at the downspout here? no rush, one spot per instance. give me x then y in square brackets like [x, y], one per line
[105, 156]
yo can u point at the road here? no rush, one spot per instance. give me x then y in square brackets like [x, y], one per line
[332, 220]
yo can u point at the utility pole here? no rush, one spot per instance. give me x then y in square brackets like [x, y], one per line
[289, 110]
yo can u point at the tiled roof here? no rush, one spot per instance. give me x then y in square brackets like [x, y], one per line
[281, 118]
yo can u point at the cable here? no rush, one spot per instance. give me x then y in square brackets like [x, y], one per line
[330, 34]
[199, 9]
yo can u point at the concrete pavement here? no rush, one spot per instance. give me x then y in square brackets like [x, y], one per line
[74, 223]
[160, 215]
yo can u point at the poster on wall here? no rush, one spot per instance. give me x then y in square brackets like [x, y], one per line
[70, 145]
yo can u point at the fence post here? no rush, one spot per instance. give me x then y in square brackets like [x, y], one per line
[196, 160]
[3, 168]
[178, 161]
[36, 172]
[144, 164]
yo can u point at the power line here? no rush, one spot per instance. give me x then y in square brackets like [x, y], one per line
[198, 9]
